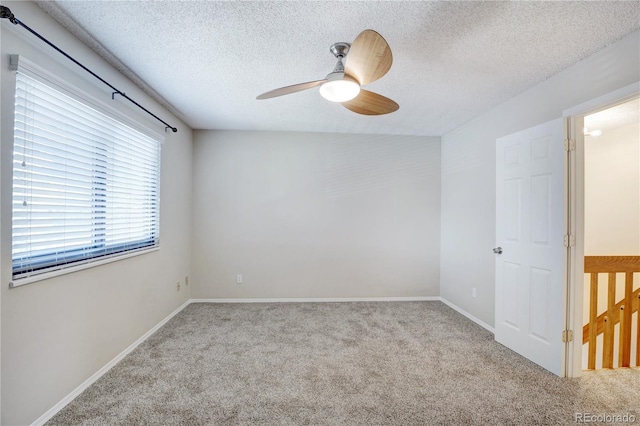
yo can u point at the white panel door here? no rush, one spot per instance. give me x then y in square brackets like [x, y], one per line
[530, 222]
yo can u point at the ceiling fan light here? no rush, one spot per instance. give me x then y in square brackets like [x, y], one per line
[339, 90]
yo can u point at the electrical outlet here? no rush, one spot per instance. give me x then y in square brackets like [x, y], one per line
[186, 280]
[473, 292]
[178, 286]
[239, 279]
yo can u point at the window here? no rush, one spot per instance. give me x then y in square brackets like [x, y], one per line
[85, 185]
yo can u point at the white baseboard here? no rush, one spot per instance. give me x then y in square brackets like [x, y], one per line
[318, 299]
[468, 315]
[77, 391]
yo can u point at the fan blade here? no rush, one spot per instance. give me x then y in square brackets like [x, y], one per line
[290, 89]
[369, 57]
[369, 103]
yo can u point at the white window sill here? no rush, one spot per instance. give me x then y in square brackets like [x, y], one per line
[79, 267]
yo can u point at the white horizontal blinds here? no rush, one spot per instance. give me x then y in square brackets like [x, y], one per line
[85, 186]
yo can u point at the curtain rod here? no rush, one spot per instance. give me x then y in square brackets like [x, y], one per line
[5, 12]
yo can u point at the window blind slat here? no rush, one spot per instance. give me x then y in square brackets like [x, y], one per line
[45, 98]
[85, 186]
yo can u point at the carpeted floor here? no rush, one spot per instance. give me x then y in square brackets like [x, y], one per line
[387, 363]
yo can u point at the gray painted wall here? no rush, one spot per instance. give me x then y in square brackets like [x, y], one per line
[315, 215]
[58, 332]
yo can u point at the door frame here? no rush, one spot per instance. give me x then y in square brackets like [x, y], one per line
[574, 191]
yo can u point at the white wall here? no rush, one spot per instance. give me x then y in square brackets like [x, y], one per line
[315, 215]
[468, 167]
[612, 193]
[58, 332]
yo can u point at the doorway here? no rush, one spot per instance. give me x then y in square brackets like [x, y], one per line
[604, 206]
[611, 237]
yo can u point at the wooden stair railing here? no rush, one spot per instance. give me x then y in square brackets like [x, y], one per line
[620, 312]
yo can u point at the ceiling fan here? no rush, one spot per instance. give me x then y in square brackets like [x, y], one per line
[368, 58]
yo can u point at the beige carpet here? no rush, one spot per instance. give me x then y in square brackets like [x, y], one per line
[387, 363]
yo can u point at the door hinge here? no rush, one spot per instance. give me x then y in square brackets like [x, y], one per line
[567, 336]
[569, 240]
[569, 145]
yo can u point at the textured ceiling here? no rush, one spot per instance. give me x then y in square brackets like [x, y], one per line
[614, 117]
[208, 60]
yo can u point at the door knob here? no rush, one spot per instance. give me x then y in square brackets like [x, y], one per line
[497, 250]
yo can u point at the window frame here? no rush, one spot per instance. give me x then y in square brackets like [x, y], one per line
[19, 64]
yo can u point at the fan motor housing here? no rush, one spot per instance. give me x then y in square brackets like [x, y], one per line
[340, 49]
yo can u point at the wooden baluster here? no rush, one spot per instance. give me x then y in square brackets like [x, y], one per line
[621, 311]
[638, 334]
[593, 320]
[607, 349]
[622, 338]
[624, 355]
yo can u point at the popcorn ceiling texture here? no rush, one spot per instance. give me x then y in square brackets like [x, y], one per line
[452, 60]
[388, 363]
[614, 117]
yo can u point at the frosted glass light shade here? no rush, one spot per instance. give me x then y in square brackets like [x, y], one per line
[339, 90]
